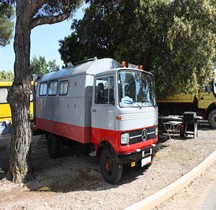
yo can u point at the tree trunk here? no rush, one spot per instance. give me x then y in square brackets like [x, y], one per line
[19, 96]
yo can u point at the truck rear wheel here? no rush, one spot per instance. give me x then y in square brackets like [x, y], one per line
[110, 169]
[212, 118]
[53, 146]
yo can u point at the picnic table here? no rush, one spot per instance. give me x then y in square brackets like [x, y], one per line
[170, 125]
[179, 125]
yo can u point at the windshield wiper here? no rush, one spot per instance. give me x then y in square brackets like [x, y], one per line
[140, 106]
[147, 103]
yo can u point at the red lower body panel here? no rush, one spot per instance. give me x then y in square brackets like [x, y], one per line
[91, 135]
[74, 132]
[113, 137]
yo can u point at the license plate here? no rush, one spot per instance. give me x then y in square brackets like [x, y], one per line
[147, 152]
[145, 161]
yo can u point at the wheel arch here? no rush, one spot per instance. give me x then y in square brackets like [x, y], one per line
[209, 109]
[104, 144]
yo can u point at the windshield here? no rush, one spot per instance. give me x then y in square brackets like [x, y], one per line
[136, 89]
[214, 87]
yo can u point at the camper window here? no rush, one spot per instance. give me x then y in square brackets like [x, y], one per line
[63, 88]
[43, 89]
[52, 88]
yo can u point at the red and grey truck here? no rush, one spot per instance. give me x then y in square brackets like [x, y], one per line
[99, 103]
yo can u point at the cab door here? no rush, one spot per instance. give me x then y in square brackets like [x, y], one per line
[206, 97]
[103, 109]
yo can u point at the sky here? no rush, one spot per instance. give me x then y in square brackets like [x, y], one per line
[44, 42]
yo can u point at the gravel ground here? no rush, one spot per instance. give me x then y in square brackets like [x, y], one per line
[74, 181]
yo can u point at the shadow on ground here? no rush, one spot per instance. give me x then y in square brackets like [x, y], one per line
[74, 171]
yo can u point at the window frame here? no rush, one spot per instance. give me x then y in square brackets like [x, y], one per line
[56, 89]
[103, 78]
[43, 93]
[60, 83]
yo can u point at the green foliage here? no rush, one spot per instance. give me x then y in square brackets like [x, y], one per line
[6, 23]
[176, 40]
[6, 76]
[103, 27]
[40, 66]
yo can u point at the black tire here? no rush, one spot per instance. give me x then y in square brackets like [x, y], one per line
[53, 146]
[212, 118]
[110, 169]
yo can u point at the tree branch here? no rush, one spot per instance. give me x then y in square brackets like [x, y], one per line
[37, 5]
[49, 20]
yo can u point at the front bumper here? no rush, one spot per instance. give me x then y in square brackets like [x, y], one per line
[137, 155]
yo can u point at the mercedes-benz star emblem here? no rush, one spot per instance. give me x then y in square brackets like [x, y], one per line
[144, 134]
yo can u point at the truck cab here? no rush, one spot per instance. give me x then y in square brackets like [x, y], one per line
[124, 119]
[207, 102]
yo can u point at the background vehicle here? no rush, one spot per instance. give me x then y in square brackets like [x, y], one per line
[203, 103]
[5, 111]
[102, 105]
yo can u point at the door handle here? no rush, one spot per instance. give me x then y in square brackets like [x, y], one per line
[94, 110]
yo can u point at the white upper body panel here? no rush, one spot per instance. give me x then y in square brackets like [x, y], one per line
[90, 67]
[74, 108]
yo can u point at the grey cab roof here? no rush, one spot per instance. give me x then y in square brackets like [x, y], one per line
[91, 67]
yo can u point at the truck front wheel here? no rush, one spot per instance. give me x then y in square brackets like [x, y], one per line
[212, 118]
[110, 169]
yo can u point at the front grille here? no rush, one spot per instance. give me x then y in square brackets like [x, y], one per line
[136, 136]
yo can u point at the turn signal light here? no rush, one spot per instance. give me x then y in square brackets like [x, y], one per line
[118, 118]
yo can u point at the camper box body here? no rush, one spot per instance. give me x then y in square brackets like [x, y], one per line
[68, 115]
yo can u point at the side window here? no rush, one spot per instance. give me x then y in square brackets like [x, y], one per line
[3, 95]
[52, 88]
[104, 92]
[63, 88]
[43, 89]
[206, 88]
[214, 88]
[203, 88]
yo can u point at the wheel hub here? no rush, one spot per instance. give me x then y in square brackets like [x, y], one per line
[108, 166]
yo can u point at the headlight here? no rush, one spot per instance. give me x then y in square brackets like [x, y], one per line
[125, 138]
[156, 131]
